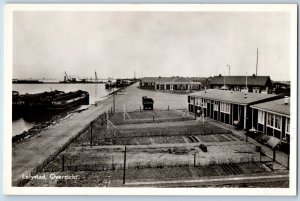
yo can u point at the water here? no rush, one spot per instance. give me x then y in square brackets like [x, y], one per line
[96, 92]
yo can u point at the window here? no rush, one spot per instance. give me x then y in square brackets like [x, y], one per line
[277, 122]
[261, 117]
[287, 126]
[255, 89]
[236, 88]
[204, 103]
[216, 106]
[274, 121]
[270, 120]
[225, 107]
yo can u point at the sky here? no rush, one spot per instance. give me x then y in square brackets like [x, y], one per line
[117, 44]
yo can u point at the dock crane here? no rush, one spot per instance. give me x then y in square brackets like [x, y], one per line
[69, 78]
[96, 78]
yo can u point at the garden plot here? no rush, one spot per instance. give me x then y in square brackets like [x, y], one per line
[155, 133]
[100, 158]
[113, 178]
[168, 130]
[147, 117]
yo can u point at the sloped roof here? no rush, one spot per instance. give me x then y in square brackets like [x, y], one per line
[167, 79]
[224, 87]
[154, 79]
[240, 80]
[276, 106]
[237, 97]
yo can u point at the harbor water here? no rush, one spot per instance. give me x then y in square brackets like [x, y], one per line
[96, 91]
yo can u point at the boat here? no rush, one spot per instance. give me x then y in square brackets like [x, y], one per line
[110, 84]
[48, 102]
[18, 105]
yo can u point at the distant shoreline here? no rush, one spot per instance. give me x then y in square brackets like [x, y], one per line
[60, 83]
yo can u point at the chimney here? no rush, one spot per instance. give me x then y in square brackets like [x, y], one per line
[286, 100]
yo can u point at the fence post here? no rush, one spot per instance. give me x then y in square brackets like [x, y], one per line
[63, 163]
[91, 137]
[112, 163]
[114, 103]
[194, 159]
[124, 168]
[168, 108]
[124, 112]
[274, 155]
[260, 156]
[153, 116]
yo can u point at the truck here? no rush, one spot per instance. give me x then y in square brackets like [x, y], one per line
[147, 103]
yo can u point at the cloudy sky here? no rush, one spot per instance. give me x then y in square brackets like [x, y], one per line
[115, 44]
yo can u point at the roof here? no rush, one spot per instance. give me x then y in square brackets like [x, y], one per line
[237, 97]
[169, 79]
[240, 80]
[276, 106]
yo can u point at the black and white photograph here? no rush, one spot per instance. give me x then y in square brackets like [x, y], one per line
[150, 99]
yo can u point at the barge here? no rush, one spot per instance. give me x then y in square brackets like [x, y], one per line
[47, 102]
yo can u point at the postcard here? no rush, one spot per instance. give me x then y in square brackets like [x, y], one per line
[150, 99]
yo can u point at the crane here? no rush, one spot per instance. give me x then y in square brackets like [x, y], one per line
[96, 78]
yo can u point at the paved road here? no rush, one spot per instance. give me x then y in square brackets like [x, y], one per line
[30, 154]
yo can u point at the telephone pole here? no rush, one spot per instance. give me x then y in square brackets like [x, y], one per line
[256, 61]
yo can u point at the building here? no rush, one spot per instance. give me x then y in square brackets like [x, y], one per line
[171, 83]
[273, 118]
[230, 107]
[255, 84]
[282, 88]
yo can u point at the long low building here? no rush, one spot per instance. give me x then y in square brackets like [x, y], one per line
[273, 118]
[172, 83]
[255, 84]
[230, 107]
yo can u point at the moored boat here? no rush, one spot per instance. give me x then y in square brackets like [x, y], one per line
[48, 102]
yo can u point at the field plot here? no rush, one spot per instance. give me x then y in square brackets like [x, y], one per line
[147, 117]
[110, 178]
[155, 151]
[112, 157]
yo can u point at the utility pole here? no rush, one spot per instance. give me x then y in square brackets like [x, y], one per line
[246, 84]
[195, 108]
[224, 79]
[229, 69]
[256, 61]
